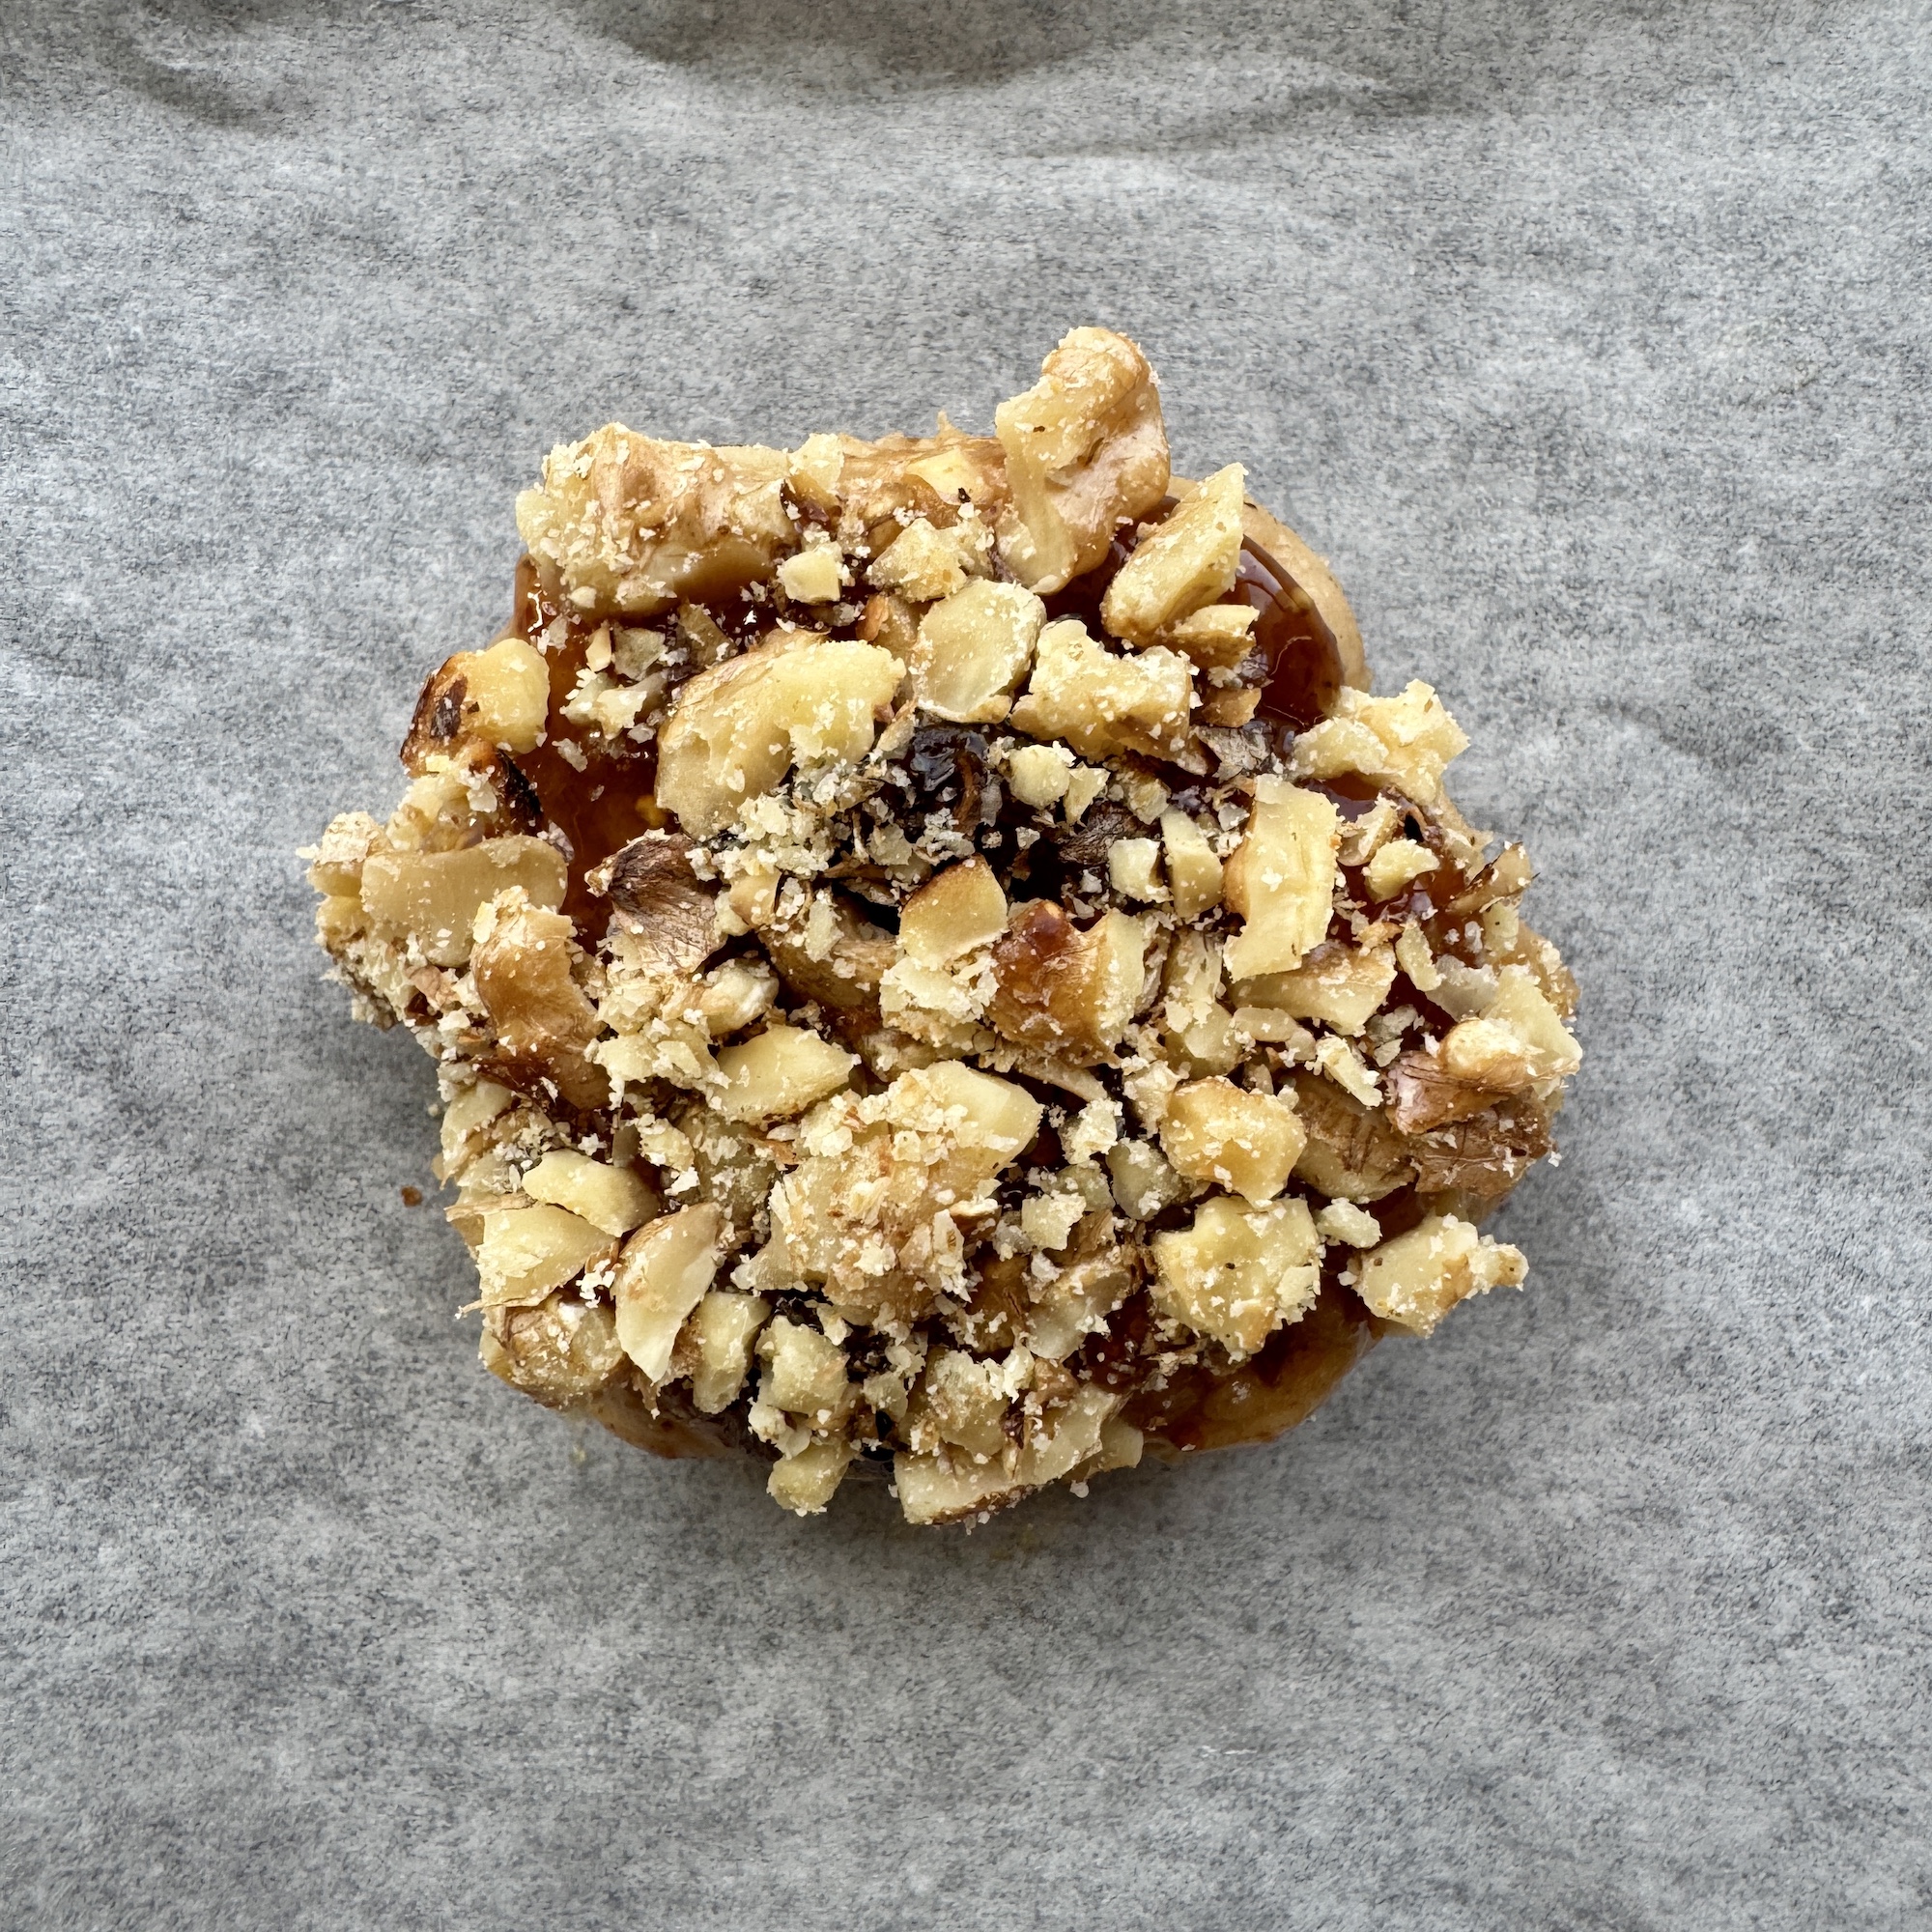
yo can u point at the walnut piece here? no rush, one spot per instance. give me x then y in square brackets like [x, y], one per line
[779, 1072]
[1058, 987]
[1417, 1278]
[633, 524]
[1238, 1273]
[973, 649]
[1188, 560]
[1248, 1143]
[434, 897]
[735, 730]
[1086, 451]
[1282, 879]
[663, 1274]
[1102, 703]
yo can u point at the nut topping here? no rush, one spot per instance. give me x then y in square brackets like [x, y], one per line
[937, 964]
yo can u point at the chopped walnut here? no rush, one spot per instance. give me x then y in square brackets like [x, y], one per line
[664, 1273]
[1417, 1278]
[1188, 560]
[1102, 703]
[735, 730]
[1248, 1143]
[1238, 1272]
[633, 524]
[1282, 879]
[973, 649]
[1086, 451]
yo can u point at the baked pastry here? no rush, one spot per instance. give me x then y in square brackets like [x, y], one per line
[937, 961]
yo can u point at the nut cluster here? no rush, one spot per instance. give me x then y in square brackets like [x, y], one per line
[936, 959]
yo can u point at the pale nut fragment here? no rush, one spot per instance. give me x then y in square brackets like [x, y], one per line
[963, 469]
[632, 523]
[1461, 990]
[1063, 988]
[839, 958]
[1340, 986]
[805, 1372]
[1219, 638]
[973, 649]
[816, 575]
[615, 1199]
[1247, 1143]
[899, 477]
[1074, 1303]
[1102, 703]
[1407, 740]
[522, 966]
[951, 915]
[813, 471]
[720, 1331]
[1344, 1222]
[937, 1009]
[1395, 865]
[527, 1252]
[1084, 785]
[886, 621]
[434, 897]
[1038, 775]
[1364, 837]
[1144, 1182]
[337, 858]
[1086, 451]
[1339, 1059]
[1048, 1220]
[1269, 1026]
[1194, 874]
[869, 1210]
[1522, 1004]
[1133, 869]
[470, 1111]
[561, 1352]
[937, 1487]
[988, 1120]
[924, 563]
[1417, 1278]
[1282, 879]
[1091, 1132]
[501, 696]
[968, 1401]
[1238, 1273]
[806, 1480]
[1414, 956]
[737, 728]
[779, 1073]
[664, 1273]
[1516, 1041]
[1186, 561]
[734, 994]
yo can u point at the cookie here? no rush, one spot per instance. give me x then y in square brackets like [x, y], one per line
[938, 963]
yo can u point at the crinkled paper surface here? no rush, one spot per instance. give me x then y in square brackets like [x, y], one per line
[1591, 344]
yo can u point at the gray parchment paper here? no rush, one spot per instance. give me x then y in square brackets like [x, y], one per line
[1590, 341]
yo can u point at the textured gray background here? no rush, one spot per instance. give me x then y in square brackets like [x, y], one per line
[1591, 342]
